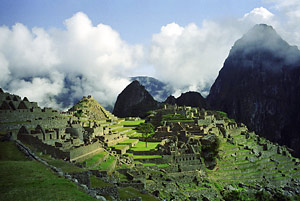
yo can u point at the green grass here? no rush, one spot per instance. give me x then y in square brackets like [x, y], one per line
[106, 165]
[95, 159]
[146, 156]
[154, 164]
[130, 133]
[23, 179]
[98, 183]
[9, 151]
[122, 129]
[129, 141]
[130, 192]
[132, 123]
[141, 146]
[137, 134]
[182, 120]
[63, 165]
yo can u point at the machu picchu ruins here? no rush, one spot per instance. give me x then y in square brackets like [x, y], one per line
[193, 153]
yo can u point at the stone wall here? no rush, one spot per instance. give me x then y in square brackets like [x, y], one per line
[84, 152]
[46, 149]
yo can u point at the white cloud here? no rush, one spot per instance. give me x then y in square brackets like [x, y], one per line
[41, 90]
[189, 58]
[5, 73]
[80, 60]
[259, 14]
[289, 26]
[53, 65]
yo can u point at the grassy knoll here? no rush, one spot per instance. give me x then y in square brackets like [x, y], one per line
[23, 179]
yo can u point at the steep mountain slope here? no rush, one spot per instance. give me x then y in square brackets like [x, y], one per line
[159, 90]
[259, 84]
[90, 108]
[134, 100]
[191, 98]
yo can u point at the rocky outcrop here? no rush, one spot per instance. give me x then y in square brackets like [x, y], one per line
[191, 98]
[259, 85]
[134, 100]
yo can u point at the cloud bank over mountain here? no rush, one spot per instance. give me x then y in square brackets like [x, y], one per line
[82, 59]
[56, 67]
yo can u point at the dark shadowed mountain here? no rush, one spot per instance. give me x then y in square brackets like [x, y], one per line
[259, 85]
[191, 98]
[170, 100]
[134, 100]
[159, 90]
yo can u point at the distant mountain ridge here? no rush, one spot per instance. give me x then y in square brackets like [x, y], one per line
[259, 84]
[191, 98]
[158, 89]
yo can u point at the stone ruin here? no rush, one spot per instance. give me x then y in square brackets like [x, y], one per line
[59, 134]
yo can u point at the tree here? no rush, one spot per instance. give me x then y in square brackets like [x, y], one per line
[146, 129]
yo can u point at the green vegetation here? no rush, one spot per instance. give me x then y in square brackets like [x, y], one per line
[154, 164]
[78, 113]
[9, 152]
[147, 129]
[107, 164]
[63, 165]
[146, 156]
[141, 146]
[93, 160]
[23, 179]
[129, 192]
[98, 183]
[223, 115]
[132, 123]
[173, 117]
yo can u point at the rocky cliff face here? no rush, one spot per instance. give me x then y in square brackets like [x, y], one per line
[191, 98]
[259, 84]
[134, 100]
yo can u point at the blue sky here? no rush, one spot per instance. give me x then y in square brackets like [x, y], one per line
[135, 20]
[64, 48]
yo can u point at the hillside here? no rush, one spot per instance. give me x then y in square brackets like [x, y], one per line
[259, 85]
[89, 108]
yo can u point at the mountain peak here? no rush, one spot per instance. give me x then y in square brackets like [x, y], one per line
[262, 43]
[89, 107]
[134, 100]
